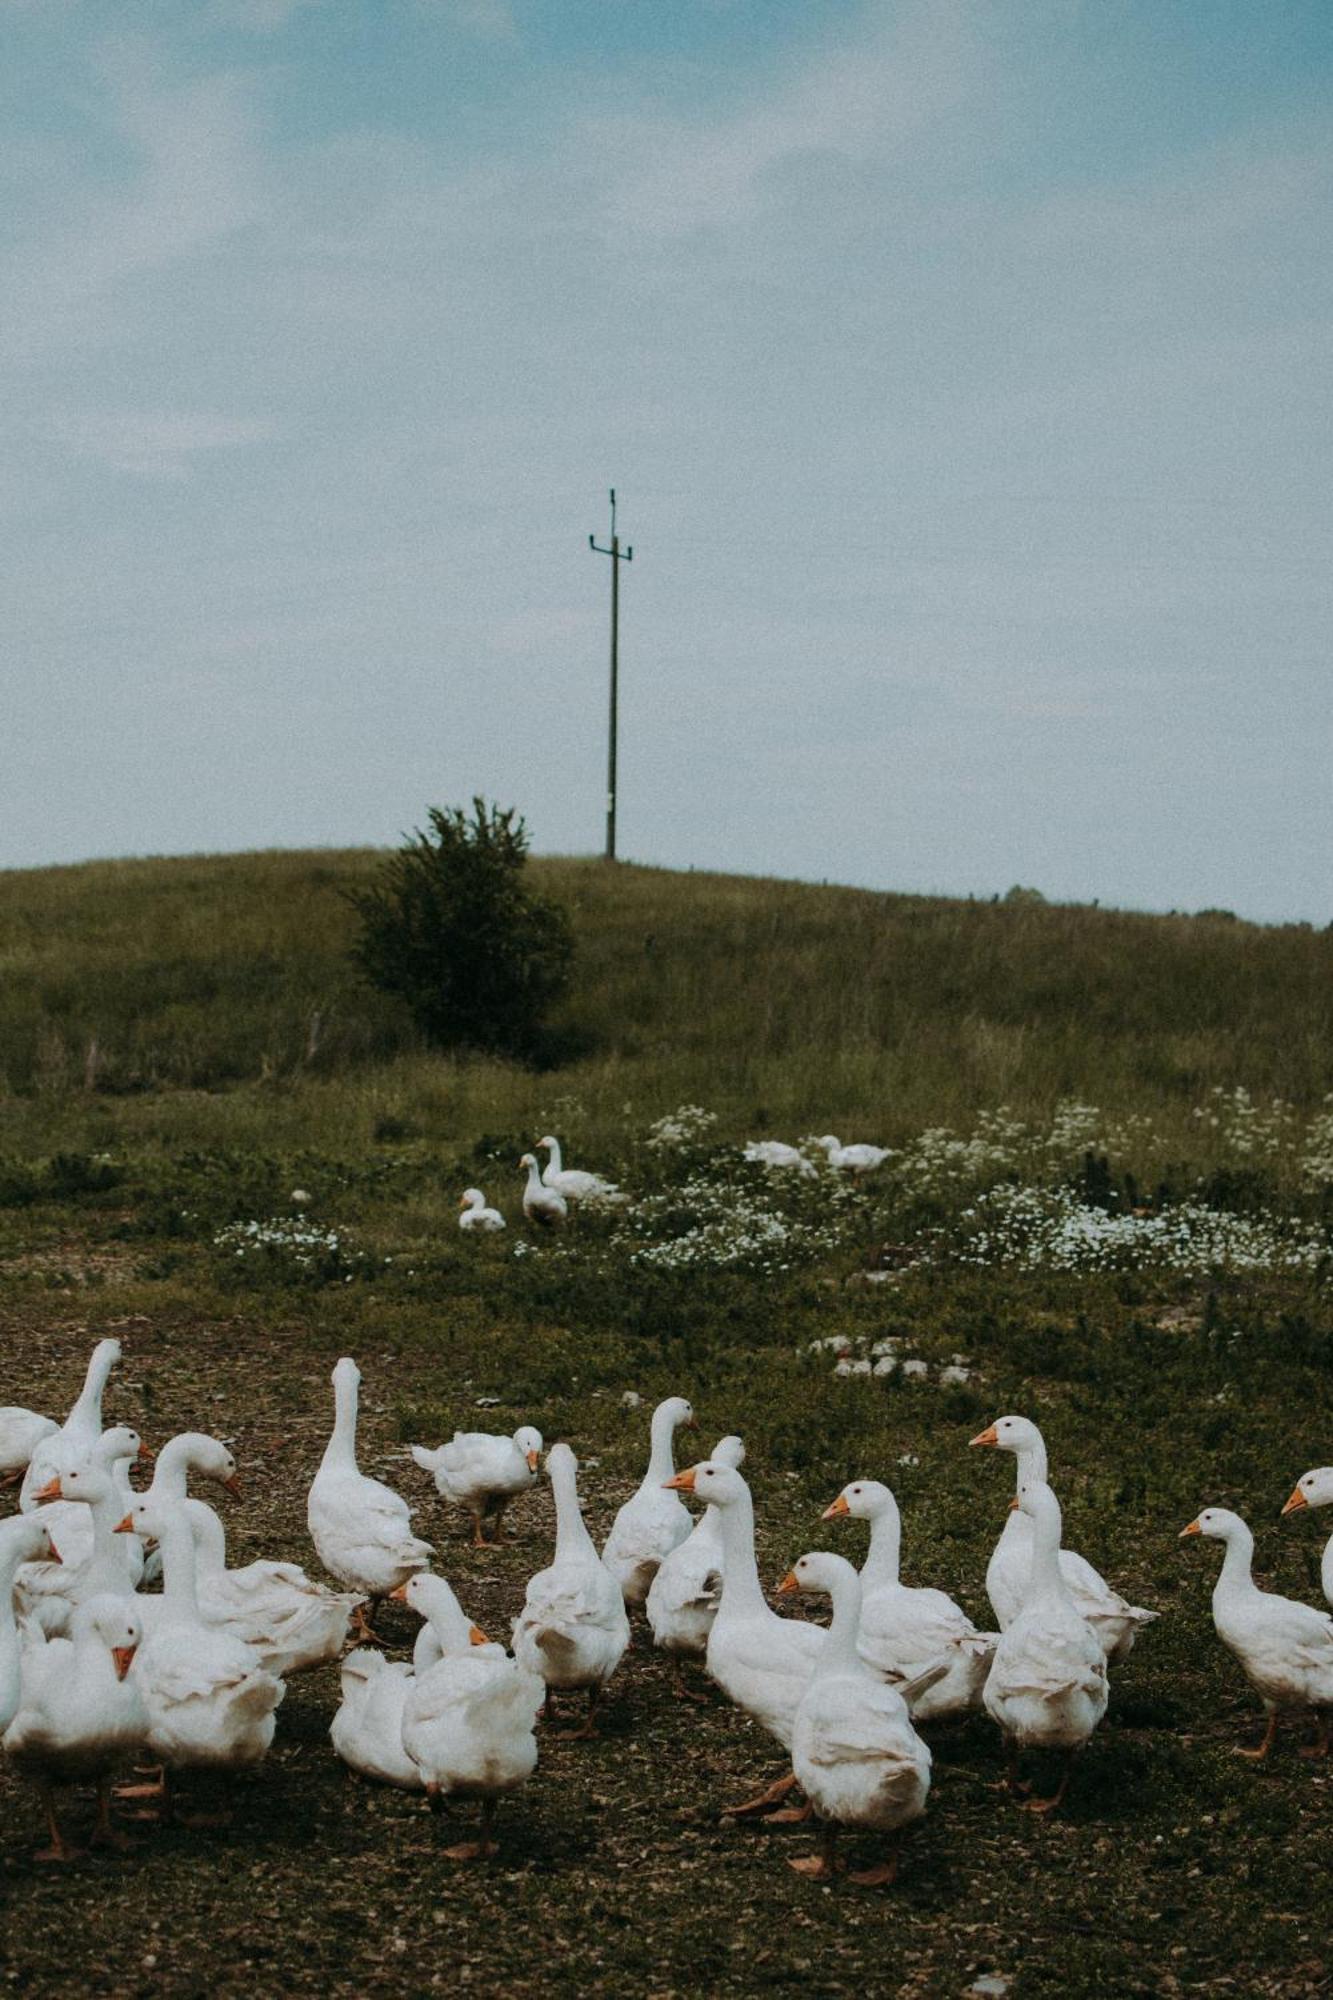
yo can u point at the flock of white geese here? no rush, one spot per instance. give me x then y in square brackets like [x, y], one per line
[96, 1671]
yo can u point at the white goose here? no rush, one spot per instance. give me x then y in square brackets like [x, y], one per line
[1047, 1685]
[687, 1589]
[854, 1751]
[1115, 1621]
[476, 1218]
[362, 1529]
[852, 1159]
[905, 1630]
[572, 1182]
[482, 1473]
[291, 1623]
[761, 1661]
[367, 1731]
[48, 1593]
[545, 1206]
[210, 1703]
[776, 1153]
[1315, 1489]
[573, 1629]
[78, 1716]
[468, 1722]
[24, 1538]
[652, 1521]
[1285, 1647]
[21, 1431]
[79, 1432]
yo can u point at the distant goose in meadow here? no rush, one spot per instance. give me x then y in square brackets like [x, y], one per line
[572, 1182]
[545, 1206]
[852, 1159]
[775, 1153]
[476, 1218]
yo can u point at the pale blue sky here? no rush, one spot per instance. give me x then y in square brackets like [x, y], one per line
[962, 366]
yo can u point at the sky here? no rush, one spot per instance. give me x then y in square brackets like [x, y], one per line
[962, 368]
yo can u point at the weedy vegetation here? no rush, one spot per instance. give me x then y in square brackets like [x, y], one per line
[1107, 1205]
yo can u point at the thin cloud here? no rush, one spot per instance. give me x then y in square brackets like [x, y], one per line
[153, 444]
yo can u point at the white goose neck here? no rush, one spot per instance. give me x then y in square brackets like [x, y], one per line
[661, 1453]
[210, 1538]
[534, 1178]
[341, 1447]
[180, 1597]
[88, 1408]
[883, 1557]
[741, 1588]
[1031, 1466]
[838, 1654]
[571, 1530]
[556, 1164]
[1044, 1577]
[1237, 1564]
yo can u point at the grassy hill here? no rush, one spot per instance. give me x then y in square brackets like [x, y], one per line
[781, 1005]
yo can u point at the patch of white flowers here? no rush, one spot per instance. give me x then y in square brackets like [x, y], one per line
[304, 1243]
[687, 1125]
[1247, 1129]
[1031, 1229]
[1317, 1153]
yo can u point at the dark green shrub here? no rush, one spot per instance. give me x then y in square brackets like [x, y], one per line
[449, 928]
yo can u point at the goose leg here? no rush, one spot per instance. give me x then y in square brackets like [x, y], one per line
[681, 1688]
[819, 1867]
[1320, 1746]
[479, 1530]
[104, 1833]
[1050, 1804]
[477, 1850]
[765, 1801]
[588, 1726]
[880, 1875]
[363, 1631]
[1262, 1749]
[60, 1849]
[792, 1815]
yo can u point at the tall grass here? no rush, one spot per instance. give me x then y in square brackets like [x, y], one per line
[211, 1000]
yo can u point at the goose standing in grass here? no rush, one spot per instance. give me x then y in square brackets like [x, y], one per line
[775, 1153]
[762, 1662]
[904, 1630]
[476, 1218]
[687, 1589]
[1315, 1489]
[1116, 1622]
[1284, 1646]
[482, 1473]
[469, 1720]
[211, 1705]
[1047, 1685]
[852, 1159]
[362, 1529]
[573, 1629]
[367, 1731]
[572, 1182]
[21, 1431]
[24, 1538]
[544, 1206]
[79, 1432]
[652, 1521]
[78, 1715]
[854, 1751]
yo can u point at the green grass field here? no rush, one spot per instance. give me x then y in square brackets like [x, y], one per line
[184, 1046]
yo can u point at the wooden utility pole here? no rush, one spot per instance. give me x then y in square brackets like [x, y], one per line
[618, 556]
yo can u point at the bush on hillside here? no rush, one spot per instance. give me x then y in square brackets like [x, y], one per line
[449, 927]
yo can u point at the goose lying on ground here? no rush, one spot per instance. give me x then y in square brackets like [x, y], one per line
[1315, 1489]
[482, 1473]
[573, 1629]
[476, 1217]
[572, 1182]
[78, 1715]
[854, 1751]
[652, 1521]
[904, 1630]
[1116, 1622]
[1284, 1646]
[774, 1153]
[852, 1159]
[1047, 1685]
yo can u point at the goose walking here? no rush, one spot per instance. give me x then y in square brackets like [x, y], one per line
[362, 1529]
[483, 1473]
[1047, 1685]
[1116, 1622]
[854, 1751]
[1285, 1647]
[652, 1521]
